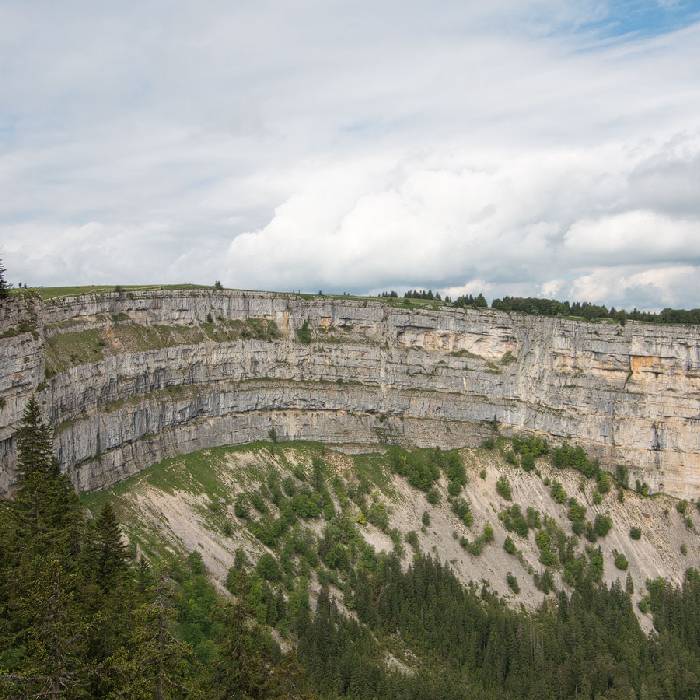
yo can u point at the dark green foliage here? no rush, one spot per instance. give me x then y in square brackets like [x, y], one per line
[577, 516]
[512, 582]
[604, 481]
[425, 519]
[635, 533]
[509, 546]
[682, 507]
[568, 456]
[591, 312]
[602, 525]
[489, 443]
[620, 560]
[433, 496]
[544, 582]
[558, 492]
[529, 448]
[503, 488]
[462, 509]
[268, 568]
[514, 521]
[4, 285]
[476, 547]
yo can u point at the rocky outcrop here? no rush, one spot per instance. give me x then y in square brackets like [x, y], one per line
[174, 371]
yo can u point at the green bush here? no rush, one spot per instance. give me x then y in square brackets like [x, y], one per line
[635, 533]
[544, 582]
[512, 583]
[268, 568]
[620, 560]
[568, 456]
[514, 521]
[533, 518]
[558, 493]
[462, 509]
[527, 462]
[412, 539]
[603, 482]
[503, 488]
[602, 525]
[548, 556]
[426, 519]
[433, 496]
[240, 507]
[419, 468]
[482, 474]
[682, 507]
[509, 546]
[489, 443]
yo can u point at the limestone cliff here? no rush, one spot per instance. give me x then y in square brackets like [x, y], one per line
[131, 378]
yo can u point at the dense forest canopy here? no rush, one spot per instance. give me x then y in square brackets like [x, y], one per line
[551, 307]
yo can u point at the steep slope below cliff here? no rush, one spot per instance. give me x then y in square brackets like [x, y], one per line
[492, 522]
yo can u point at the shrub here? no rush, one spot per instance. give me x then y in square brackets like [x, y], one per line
[544, 582]
[503, 488]
[548, 556]
[289, 486]
[512, 583]
[268, 568]
[577, 515]
[684, 549]
[433, 496]
[635, 533]
[688, 522]
[514, 521]
[489, 443]
[629, 585]
[426, 519]
[641, 488]
[453, 488]
[240, 507]
[527, 462]
[419, 468]
[509, 546]
[533, 518]
[620, 560]
[568, 456]
[603, 482]
[462, 510]
[378, 515]
[597, 498]
[257, 501]
[558, 493]
[682, 507]
[412, 539]
[511, 458]
[602, 525]
[482, 474]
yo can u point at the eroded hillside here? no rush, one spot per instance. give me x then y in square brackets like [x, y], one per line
[525, 533]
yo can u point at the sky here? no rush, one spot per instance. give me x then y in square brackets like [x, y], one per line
[523, 147]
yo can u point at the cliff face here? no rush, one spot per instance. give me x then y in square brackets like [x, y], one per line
[130, 379]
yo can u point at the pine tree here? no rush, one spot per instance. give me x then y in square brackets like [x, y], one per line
[4, 285]
[46, 506]
[109, 548]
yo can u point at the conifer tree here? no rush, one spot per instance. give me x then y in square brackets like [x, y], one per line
[110, 550]
[46, 505]
[4, 285]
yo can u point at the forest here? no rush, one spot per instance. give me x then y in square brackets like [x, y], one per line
[84, 615]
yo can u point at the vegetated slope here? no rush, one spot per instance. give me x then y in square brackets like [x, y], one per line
[249, 498]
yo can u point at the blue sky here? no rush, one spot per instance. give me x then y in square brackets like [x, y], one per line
[544, 147]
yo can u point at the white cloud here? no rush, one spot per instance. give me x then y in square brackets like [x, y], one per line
[363, 146]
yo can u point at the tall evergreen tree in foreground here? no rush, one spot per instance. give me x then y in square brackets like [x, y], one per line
[4, 285]
[46, 506]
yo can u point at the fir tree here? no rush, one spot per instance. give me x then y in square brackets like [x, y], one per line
[46, 506]
[110, 550]
[4, 285]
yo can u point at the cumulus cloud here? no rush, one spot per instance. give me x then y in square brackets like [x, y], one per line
[507, 147]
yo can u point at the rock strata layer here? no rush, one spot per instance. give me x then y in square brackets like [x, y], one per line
[129, 379]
